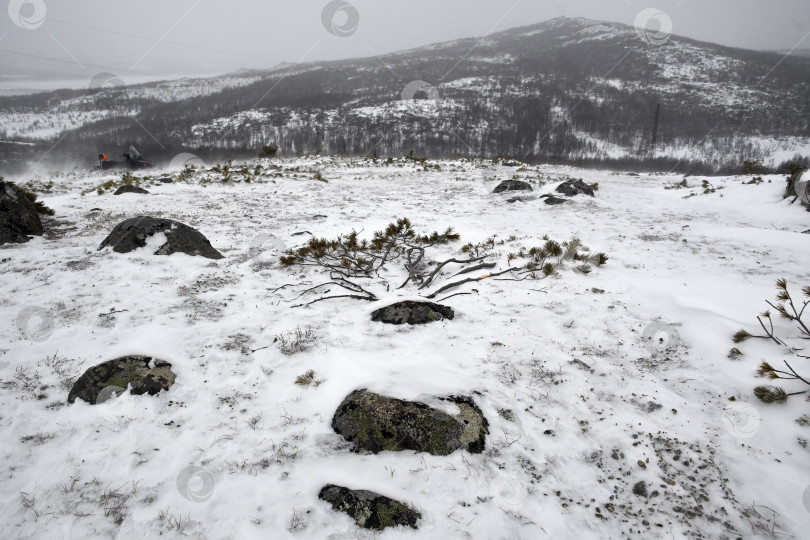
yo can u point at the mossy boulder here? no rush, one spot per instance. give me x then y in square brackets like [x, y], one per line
[368, 509]
[575, 187]
[410, 312]
[377, 423]
[146, 375]
[130, 189]
[19, 218]
[132, 233]
[512, 185]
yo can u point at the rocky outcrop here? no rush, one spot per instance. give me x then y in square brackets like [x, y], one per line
[19, 218]
[575, 187]
[132, 233]
[130, 189]
[552, 199]
[368, 509]
[512, 185]
[410, 312]
[144, 374]
[377, 423]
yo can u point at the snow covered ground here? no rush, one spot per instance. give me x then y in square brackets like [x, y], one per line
[580, 408]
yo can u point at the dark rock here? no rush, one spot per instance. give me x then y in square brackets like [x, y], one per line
[798, 186]
[368, 509]
[634, 174]
[130, 189]
[597, 291]
[104, 381]
[790, 189]
[574, 187]
[411, 312]
[551, 199]
[512, 185]
[640, 489]
[132, 233]
[165, 180]
[518, 199]
[19, 218]
[377, 423]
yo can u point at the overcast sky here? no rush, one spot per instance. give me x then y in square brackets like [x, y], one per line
[79, 38]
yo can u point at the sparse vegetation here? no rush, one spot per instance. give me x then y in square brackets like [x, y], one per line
[787, 309]
[350, 259]
[308, 379]
[31, 196]
[268, 151]
[296, 341]
[752, 167]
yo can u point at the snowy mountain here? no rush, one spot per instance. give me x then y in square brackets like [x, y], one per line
[563, 90]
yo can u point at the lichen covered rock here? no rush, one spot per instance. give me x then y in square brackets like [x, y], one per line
[377, 423]
[144, 374]
[132, 233]
[411, 312]
[368, 509]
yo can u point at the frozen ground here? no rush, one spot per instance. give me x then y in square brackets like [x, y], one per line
[580, 408]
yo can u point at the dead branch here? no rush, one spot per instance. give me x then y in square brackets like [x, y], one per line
[354, 296]
[441, 265]
[467, 280]
[452, 295]
[481, 266]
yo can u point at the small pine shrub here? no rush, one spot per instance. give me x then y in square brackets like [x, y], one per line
[789, 308]
[771, 394]
[308, 379]
[268, 151]
[752, 167]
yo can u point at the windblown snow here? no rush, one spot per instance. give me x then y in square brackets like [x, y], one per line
[580, 411]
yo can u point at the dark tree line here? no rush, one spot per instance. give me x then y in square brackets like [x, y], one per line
[548, 103]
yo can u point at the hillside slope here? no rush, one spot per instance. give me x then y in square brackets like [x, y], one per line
[566, 89]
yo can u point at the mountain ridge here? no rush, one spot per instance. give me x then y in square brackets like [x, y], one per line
[566, 89]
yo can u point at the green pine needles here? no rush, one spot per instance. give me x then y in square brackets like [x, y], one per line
[793, 310]
[355, 264]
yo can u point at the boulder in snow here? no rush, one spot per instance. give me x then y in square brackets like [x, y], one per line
[146, 375]
[574, 187]
[551, 199]
[798, 185]
[411, 312]
[132, 233]
[368, 509]
[130, 189]
[376, 423]
[19, 218]
[512, 185]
